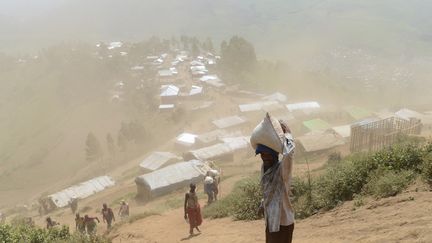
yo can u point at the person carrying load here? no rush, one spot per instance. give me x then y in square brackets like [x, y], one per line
[269, 139]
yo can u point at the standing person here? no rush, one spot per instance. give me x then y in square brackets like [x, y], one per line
[215, 186]
[124, 210]
[90, 224]
[208, 188]
[275, 183]
[50, 223]
[74, 204]
[80, 224]
[107, 215]
[192, 210]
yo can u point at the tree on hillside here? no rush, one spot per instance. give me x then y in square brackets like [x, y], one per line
[93, 148]
[110, 145]
[238, 58]
[208, 45]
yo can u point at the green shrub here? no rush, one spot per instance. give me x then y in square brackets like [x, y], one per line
[426, 169]
[247, 203]
[26, 233]
[387, 183]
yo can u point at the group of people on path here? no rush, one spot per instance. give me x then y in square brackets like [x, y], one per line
[211, 185]
[88, 224]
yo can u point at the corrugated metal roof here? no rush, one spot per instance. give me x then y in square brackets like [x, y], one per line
[83, 190]
[173, 174]
[157, 159]
[303, 106]
[229, 122]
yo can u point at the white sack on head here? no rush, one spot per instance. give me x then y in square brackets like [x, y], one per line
[213, 173]
[269, 133]
[208, 180]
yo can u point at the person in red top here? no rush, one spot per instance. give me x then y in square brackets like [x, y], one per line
[107, 215]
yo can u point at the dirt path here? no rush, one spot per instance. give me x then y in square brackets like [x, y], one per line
[404, 218]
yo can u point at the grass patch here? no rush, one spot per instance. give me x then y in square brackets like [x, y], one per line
[143, 215]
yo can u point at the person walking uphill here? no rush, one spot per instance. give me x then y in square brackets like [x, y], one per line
[275, 183]
[107, 215]
[192, 210]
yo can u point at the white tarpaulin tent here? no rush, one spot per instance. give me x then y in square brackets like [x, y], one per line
[83, 190]
[237, 143]
[195, 90]
[169, 90]
[170, 178]
[279, 97]
[157, 159]
[214, 152]
[186, 139]
[303, 106]
[229, 122]
[265, 105]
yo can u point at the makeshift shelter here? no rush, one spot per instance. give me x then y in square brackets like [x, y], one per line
[260, 106]
[319, 141]
[217, 152]
[186, 139]
[237, 143]
[278, 97]
[229, 122]
[316, 125]
[211, 138]
[80, 191]
[166, 107]
[157, 159]
[203, 106]
[303, 106]
[196, 91]
[407, 114]
[169, 94]
[165, 73]
[343, 131]
[358, 113]
[170, 178]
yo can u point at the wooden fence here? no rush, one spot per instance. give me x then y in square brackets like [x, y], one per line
[376, 135]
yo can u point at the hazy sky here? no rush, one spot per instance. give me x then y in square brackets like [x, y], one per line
[28, 8]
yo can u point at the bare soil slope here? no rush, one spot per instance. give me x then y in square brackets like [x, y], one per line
[404, 218]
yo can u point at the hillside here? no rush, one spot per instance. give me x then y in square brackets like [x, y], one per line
[404, 218]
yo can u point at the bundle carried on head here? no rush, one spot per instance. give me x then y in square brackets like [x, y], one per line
[269, 133]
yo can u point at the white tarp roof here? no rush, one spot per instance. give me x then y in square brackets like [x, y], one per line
[320, 140]
[229, 122]
[196, 63]
[157, 159]
[195, 90]
[206, 78]
[344, 131]
[115, 44]
[198, 69]
[80, 191]
[166, 106]
[165, 73]
[266, 105]
[171, 175]
[407, 114]
[237, 143]
[276, 97]
[211, 152]
[169, 90]
[186, 139]
[303, 106]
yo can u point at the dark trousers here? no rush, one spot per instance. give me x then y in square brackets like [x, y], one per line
[284, 235]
